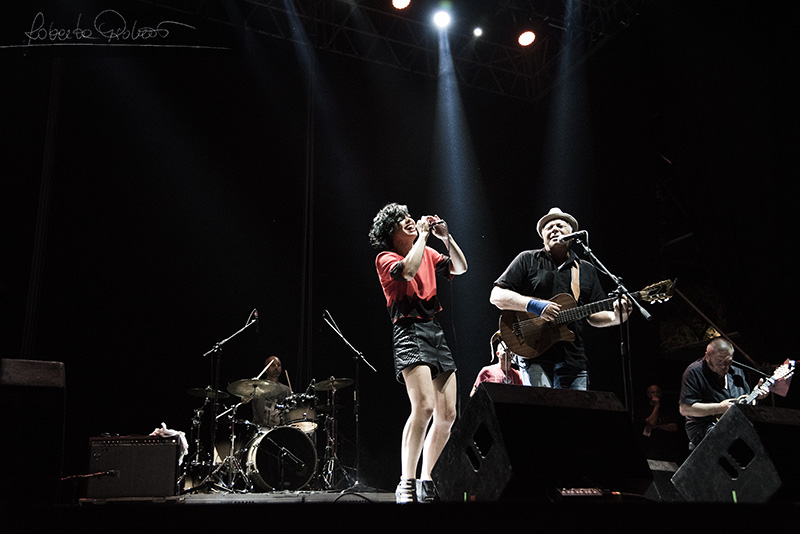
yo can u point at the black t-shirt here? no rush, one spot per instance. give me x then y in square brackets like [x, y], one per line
[534, 273]
[701, 384]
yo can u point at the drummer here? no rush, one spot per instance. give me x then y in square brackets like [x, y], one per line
[265, 414]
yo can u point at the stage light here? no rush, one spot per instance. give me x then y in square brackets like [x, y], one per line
[526, 38]
[477, 32]
[400, 4]
[441, 19]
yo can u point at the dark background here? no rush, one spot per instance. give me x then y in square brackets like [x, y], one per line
[153, 197]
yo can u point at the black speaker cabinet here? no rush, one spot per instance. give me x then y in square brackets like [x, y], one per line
[750, 456]
[32, 399]
[133, 466]
[662, 489]
[520, 442]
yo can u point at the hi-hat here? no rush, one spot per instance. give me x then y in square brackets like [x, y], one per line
[253, 387]
[333, 383]
[208, 393]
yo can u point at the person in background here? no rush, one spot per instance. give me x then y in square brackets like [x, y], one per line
[502, 371]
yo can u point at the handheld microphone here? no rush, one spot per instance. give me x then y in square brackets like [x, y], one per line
[573, 235]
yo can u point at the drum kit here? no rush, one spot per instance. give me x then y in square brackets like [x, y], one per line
[277, 457]
[252, 458]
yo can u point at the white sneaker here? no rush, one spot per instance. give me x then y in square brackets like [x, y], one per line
[405, 492]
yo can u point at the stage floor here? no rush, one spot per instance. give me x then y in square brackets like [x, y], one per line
[364, 510]
[376, 512]
[271, 498]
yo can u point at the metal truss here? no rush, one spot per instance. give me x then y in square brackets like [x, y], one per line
[375, 32]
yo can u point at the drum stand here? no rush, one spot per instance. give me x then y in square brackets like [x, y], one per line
[225, 476]
[230, 464]
[331, 464]
[199, 461]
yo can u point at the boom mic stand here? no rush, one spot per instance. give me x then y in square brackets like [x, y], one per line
[358, 356]
[216, 352]
[624, 328]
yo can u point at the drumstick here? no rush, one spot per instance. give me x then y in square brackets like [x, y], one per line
[265, 369]
[289, 381]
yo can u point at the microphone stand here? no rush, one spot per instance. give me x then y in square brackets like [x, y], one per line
[358, 357]
[624, 328]
[216, 352]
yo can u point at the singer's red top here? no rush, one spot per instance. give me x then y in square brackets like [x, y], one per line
[415, 298]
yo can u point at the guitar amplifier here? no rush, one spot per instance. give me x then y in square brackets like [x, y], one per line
[133, 466]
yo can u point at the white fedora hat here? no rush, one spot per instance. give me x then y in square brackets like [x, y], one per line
[556, 213]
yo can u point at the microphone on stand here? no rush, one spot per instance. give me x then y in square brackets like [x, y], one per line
[573, 235]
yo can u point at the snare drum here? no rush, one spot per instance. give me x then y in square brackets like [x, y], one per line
[300, 411]
[283, 458]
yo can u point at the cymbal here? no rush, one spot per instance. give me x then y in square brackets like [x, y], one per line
[253, 387]
[207, 393]
[333, 383]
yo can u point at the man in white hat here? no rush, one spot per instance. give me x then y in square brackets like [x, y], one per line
[534, 277]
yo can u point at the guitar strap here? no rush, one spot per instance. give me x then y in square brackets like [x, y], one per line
[576, 280]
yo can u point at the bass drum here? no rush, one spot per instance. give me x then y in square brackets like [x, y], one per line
[283, 458]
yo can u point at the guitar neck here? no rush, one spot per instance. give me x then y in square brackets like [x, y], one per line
[784, 372]
[758, 390]
[580, 312]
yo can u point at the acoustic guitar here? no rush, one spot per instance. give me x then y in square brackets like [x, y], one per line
[529, 335]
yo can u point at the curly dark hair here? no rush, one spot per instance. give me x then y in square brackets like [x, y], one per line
[380, 235]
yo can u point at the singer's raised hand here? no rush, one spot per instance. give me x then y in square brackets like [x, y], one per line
[438, 226]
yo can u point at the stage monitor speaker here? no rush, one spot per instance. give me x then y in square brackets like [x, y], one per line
[662, 489]
[750, 456]
[32, 399]
[520, 442]
[133, 466]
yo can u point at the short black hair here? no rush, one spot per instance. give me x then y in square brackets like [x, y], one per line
[380, 235]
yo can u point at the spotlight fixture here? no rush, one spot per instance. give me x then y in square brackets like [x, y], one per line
[400, 4]
[441, 19]
[526, 38]
[477, 32]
